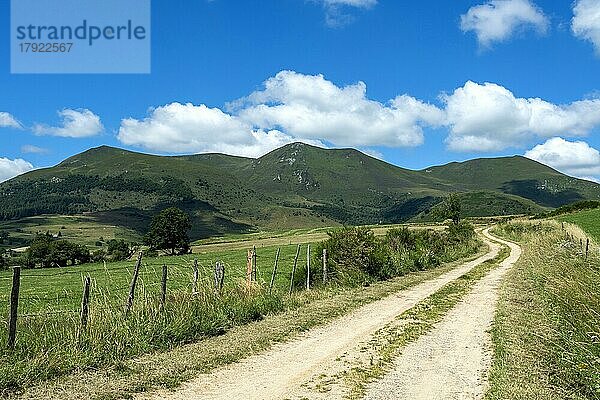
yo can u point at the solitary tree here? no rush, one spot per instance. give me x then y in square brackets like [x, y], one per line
[169, 231]
[452, 208]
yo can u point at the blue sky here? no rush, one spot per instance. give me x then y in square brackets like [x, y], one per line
[415, 83]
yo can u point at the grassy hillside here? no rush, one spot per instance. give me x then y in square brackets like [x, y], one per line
[588, 220]
[296, 186]
[518, 176]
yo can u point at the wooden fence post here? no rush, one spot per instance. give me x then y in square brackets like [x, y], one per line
[587, 248]
[85, 305]
[136, 273]
[219, 277]
[274, 271]
[195, 281]
[294, 269]
[163, 287]
[308, 267]
[13, 307]
[249, 268]
[254, 266]
[325, 266]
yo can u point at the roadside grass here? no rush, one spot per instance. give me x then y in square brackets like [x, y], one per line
[546, 332]
[410, 325]
[588, 220]
[276, 319]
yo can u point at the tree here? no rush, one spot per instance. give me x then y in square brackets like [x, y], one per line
[169, 231]
[48, 253]
[39, 251]
[452, 208]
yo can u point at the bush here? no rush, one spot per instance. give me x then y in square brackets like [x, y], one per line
[355, 256]
[460, 233]
[120, 250]
[414, 250]
[570, 208]
[516, 230]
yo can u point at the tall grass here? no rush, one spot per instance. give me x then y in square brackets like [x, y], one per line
[50, 345]
[547, 329]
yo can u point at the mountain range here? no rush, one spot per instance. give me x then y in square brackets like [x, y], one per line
[295, 186]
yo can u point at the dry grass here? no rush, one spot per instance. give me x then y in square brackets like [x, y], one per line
[547, 328]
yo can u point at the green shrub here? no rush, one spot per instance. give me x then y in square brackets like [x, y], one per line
[570, 208]
[460, 233]
[355, 257]
[46, 252]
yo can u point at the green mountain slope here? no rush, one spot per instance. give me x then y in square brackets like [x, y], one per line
[294, 186]
[518, 176]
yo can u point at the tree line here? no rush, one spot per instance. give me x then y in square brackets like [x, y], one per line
[168, 233]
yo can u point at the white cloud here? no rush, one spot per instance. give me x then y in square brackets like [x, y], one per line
[489, 117]
[292, 107]
[586, 21]
[573, 158]
[335, 10]
[29, 148]
[311, 107]
[187, 128]
[74, 124]
[498, 20]
[8, 121]
[11, 168]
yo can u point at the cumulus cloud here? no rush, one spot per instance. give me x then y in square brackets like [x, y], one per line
[186, 128]
[311, 107]
[586, 21]
[291, 107]
[8, 121]
[74, 124]
[489, 117]
[498, 20]
[11, 168]
[573, 158]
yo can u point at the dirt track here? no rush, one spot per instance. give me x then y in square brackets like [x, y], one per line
[450, 362]
[278, 373]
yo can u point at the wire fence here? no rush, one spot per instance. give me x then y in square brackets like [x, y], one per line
[37, 300]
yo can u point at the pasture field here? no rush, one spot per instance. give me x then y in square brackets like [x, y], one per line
[588, 220]
[81, 229]
[49, 342]
[52, 289]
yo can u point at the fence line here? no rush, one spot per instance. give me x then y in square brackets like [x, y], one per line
[146, 278]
